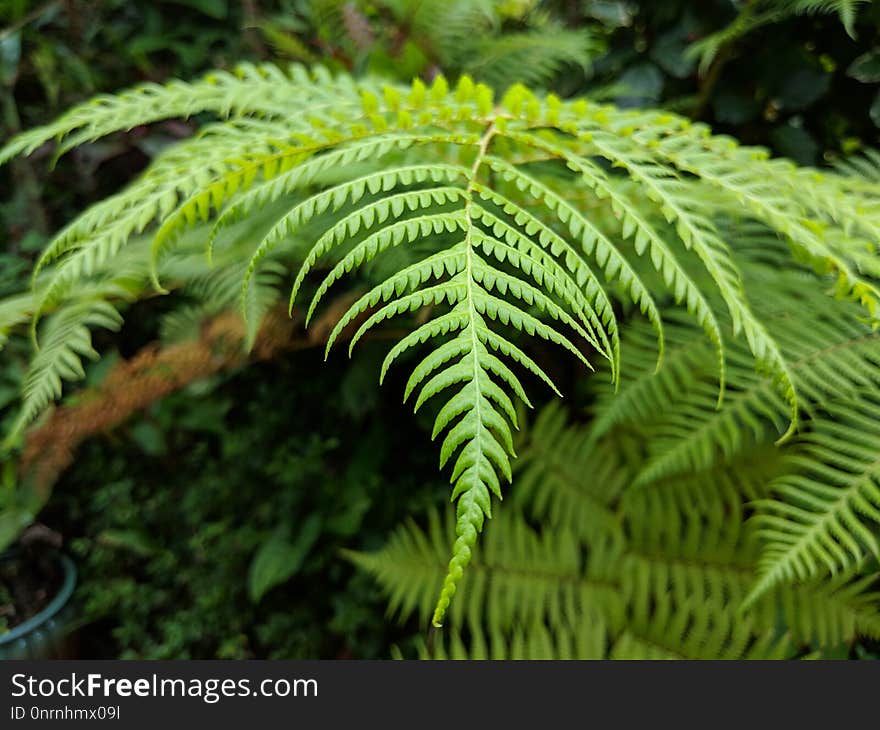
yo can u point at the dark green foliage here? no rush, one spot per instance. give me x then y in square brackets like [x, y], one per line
[168, 516]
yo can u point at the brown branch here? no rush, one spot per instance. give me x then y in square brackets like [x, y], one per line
[155, 372]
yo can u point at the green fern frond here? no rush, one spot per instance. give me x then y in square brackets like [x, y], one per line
[66, 339]
[831, 354]
[823, 513]
[668, 581]
[532, 58]
[760, 13]
[478, 194]
[845, 9]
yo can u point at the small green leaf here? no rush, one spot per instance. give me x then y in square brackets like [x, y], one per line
[866, 68]
[278, 559]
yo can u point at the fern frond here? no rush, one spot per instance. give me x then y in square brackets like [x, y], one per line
[829, 351]
[66, 339]
[532, 58]
[758, 14]
[250, 90]
[658, 573]
[481, 432]
[479, 196]
[823, 513]
[551, 483]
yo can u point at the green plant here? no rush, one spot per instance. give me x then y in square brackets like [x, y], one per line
[59, 52]
[753, 15]
[170, 514]
[666, 528]
[784, 84]
[484, 219]
[493, 41]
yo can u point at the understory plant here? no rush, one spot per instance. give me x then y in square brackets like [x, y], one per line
[488, 228]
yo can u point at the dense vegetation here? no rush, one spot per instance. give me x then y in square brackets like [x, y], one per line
[718, 495]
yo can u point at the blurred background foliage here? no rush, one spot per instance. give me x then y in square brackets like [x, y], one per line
[203, 531]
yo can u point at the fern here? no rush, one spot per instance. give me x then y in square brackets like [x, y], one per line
[491, 41]
[477, 194]
[755, 15]
[537, 56]
[822, 512]
[66, 339]
[668, 584]
[701, 542]
[831, 354]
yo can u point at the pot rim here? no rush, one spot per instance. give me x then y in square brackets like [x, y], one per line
[54, 606]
